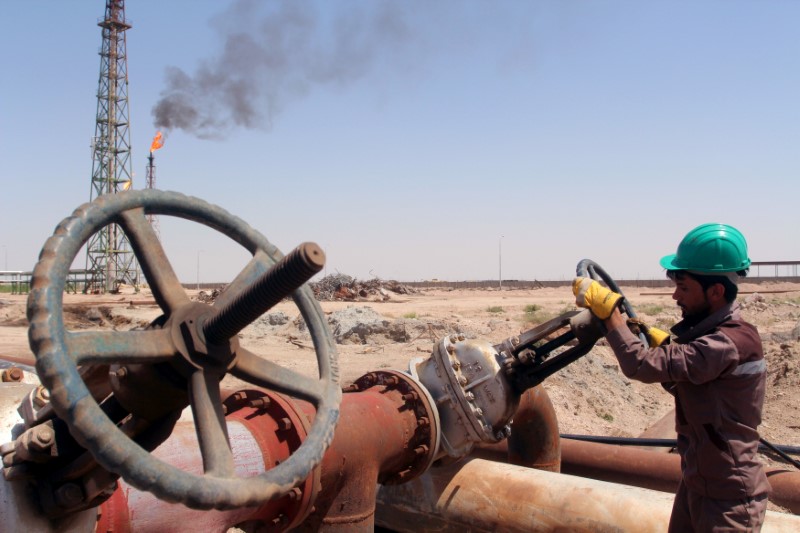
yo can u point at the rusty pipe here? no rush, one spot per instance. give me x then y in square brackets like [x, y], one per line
[534, 441]
[380, 438]
[663, 428]
[484, 496]
[535, 427]
[785, 488]
[385, 435]
[25, 359]
[642, 468]
[657, 470]
[132, 510]
[264, 428]
[617, 464]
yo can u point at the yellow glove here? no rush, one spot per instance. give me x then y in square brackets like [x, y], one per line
[593, 296]
[655, 337]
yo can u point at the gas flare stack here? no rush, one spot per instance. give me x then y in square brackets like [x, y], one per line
[158, 142]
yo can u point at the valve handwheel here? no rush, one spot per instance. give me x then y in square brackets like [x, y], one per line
[198, 339]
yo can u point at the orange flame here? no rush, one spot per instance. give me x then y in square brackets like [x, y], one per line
[158, 142]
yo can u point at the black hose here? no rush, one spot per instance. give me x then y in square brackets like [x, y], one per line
[780, 449]
[623, 441]
[589, 269]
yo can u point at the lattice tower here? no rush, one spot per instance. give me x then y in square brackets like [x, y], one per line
[109, 258]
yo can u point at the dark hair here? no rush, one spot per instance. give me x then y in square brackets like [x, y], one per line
[731, 290]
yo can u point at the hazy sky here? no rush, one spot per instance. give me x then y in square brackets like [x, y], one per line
[409, 139]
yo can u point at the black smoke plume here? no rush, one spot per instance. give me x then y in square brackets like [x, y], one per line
[274, 53]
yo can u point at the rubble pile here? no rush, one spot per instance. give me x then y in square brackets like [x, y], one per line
[344, 287]
[357, 324]
[269, 323]
[754, 302]
[338, 287]
[363, 325]
[209, 297]
[783, 364]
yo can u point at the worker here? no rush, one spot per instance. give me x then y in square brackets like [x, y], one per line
[714, 366]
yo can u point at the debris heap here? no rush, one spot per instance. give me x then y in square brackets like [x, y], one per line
[209, 297]
[344, 287]
[337, 287]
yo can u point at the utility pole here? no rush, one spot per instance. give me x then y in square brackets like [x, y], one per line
[500, 262]
[109, 258]
[198, 269]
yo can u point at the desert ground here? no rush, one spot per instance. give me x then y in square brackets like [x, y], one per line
[591, 396]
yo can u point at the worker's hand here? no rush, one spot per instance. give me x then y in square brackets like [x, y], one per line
[593, 296]
[655, 337]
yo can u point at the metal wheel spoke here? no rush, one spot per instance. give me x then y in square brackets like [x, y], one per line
[105, 347]
[259, 264]
[167, 290]
[212, 431]
[264, 373]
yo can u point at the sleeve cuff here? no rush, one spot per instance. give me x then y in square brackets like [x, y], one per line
[621, 337]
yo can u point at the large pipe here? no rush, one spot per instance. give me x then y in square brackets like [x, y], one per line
[535, 429]
[377, 440]
[657, 471]
[618, 464]
[605, 462]
[785, 488]
[642, 468]
[483, 496]
[534, 440]
[664, 428]
[260, 435]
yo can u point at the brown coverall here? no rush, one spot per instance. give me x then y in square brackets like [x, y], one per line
[717, 373]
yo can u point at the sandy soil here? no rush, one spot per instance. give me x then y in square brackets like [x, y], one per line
[590, 396]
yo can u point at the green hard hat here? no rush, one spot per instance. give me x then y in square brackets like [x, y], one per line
[710, 249]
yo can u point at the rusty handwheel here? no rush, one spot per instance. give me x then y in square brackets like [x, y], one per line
[197, 339]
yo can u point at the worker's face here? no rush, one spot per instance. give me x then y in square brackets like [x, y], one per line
[691, 298]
